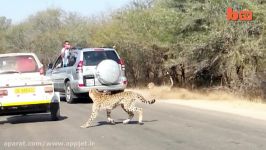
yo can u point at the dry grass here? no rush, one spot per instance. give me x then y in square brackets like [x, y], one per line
[164, 92]
[216, 100]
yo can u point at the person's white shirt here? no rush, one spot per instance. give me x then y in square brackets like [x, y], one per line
[64, 54]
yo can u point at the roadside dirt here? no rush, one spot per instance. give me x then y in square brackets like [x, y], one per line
[214, 101]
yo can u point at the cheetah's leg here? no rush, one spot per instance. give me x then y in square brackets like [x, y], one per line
[109, 116]
[139, 110]
[92, 117]
[130, 115]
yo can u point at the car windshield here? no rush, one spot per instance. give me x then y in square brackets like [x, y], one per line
[18, 64]
[92, 58]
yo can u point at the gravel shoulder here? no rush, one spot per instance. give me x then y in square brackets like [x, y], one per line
[243, 108]
[214, 101]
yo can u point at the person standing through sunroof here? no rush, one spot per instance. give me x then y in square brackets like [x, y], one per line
[65, 52]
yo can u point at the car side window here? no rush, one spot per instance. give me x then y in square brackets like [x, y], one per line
[58, 63]
[72, 58]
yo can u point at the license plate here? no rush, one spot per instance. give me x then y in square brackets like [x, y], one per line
[90, 82]
[24, 90]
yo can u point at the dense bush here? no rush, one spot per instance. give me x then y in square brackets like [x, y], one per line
[190, 39]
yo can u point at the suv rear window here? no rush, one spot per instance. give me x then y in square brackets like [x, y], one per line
[93, 58]
[21, 64]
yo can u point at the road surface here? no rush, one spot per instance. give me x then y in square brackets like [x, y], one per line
[166, 127]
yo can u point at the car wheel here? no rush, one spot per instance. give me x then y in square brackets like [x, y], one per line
[69, 93]
[55, 111]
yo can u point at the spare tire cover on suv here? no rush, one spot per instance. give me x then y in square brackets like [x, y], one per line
[108, 71]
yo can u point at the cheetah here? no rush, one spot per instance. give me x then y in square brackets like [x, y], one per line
[109, 102]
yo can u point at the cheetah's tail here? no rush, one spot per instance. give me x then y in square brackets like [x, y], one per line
[140, 97]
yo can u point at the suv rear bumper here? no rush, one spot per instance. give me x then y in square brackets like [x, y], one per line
[101, 87]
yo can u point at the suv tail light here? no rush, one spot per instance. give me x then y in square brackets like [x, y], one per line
[81, 85]
[125, 82]
[122, 63]
[80, 67]
[3, 93]
[41, 70]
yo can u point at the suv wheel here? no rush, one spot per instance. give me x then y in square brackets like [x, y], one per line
[69, 93]
[55, 111]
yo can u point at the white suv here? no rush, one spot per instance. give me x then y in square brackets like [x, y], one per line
[23, 87]
[87, 68]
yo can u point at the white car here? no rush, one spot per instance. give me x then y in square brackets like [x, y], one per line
[24, 88]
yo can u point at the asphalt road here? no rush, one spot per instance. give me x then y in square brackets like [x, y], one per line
[166, 126]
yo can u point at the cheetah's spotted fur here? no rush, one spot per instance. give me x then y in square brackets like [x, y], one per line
[126, 99]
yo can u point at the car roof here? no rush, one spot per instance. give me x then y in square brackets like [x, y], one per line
[16, 54]
[23, 54]
[98, 49]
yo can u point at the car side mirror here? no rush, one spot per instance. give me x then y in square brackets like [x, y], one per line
[50, 66]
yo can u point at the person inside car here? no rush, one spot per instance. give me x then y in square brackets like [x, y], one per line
[65, 52]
